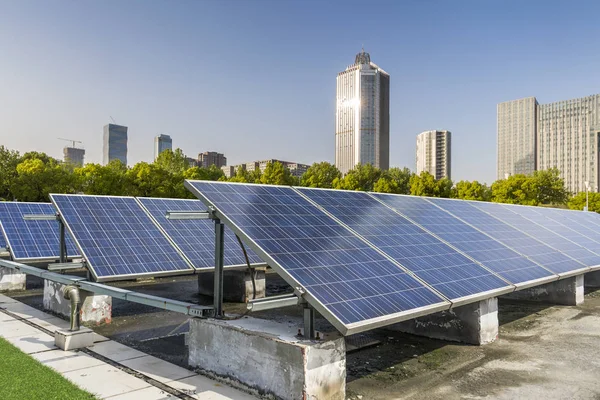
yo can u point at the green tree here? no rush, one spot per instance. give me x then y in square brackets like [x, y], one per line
[276, 174]
[36, 179]
[474, 190]
[517, 189]
[549, 187]
[111, 179]
[242, 175]
[172, 161]
[9, 160]
[394, 180]
[320, 175]
[577, 202]
[362, 177]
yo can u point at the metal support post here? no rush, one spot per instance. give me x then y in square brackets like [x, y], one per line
[63, 242]
[219, 244]
[309, 322]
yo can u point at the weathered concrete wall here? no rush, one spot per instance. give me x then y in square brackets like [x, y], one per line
[95, 309]
[267, 356]
[475, 323]
[592, 279]
[237, 285]
[566, 292]
[11, 280]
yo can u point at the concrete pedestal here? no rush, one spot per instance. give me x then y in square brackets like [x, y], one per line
[237, 285]
[95, 309]
[68, 340]
[566, 292]
[267, 356]
[11, 279]
[475, 323]
[592, 279]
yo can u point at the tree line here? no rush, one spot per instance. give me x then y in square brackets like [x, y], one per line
[33, 176]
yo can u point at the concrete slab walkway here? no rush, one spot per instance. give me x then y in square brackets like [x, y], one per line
[130, 374]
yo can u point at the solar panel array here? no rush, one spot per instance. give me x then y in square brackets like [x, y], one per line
[507, 263]
[117, 238]
[31, 240]
[366, 259]
[437, 264]
[195, 238]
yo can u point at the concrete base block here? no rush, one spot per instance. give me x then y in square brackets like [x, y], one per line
[237, 285]
[592, 279]
[566, 292]
[267, 356]
[95, 309]
[475, 323]
[71, 340]
[11, 280]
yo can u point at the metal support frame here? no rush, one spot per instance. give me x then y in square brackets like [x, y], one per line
[182, 307]
[219, 247]
[268, 303]
[309, 322]
[63, 242]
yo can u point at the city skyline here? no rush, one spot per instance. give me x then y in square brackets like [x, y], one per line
[63, 80]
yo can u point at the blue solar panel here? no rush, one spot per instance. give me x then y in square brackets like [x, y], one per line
[505, 262]
[437, 264]
[561, 237]
[491, 218]
[32, 240]
[348, 281]
[586, 224]
[196, 238]
[117, 238]
[565, 246]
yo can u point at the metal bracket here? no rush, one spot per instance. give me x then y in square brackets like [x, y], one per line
[309, 322]
[41, 217]
[65, 266]
[190, 215]
[269, 303]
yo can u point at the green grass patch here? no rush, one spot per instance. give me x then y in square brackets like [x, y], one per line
[23, 377]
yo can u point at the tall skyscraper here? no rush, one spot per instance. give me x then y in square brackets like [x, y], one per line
[162, 143]
[362, 116]
[516, 137]
[115, 144]
[73, 155]
[434, 153]
[563, 135]
[209, 158]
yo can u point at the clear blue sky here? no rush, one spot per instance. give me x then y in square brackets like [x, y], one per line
[256, 79]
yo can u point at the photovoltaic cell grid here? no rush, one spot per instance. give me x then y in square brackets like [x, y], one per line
[505, 262]
[513, 238]
[575, 252]
[433, 261]
[353, 282]
[31, 240]
[592, 249]
[195, 238]
[585, 223]
[117, 238]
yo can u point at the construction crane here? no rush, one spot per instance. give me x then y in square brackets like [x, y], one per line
[72, 141]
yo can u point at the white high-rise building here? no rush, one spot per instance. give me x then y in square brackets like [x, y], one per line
[516, 137]
[434, 153]
[563, 135]
[162, 143]
[567, 138]
[362, 117]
